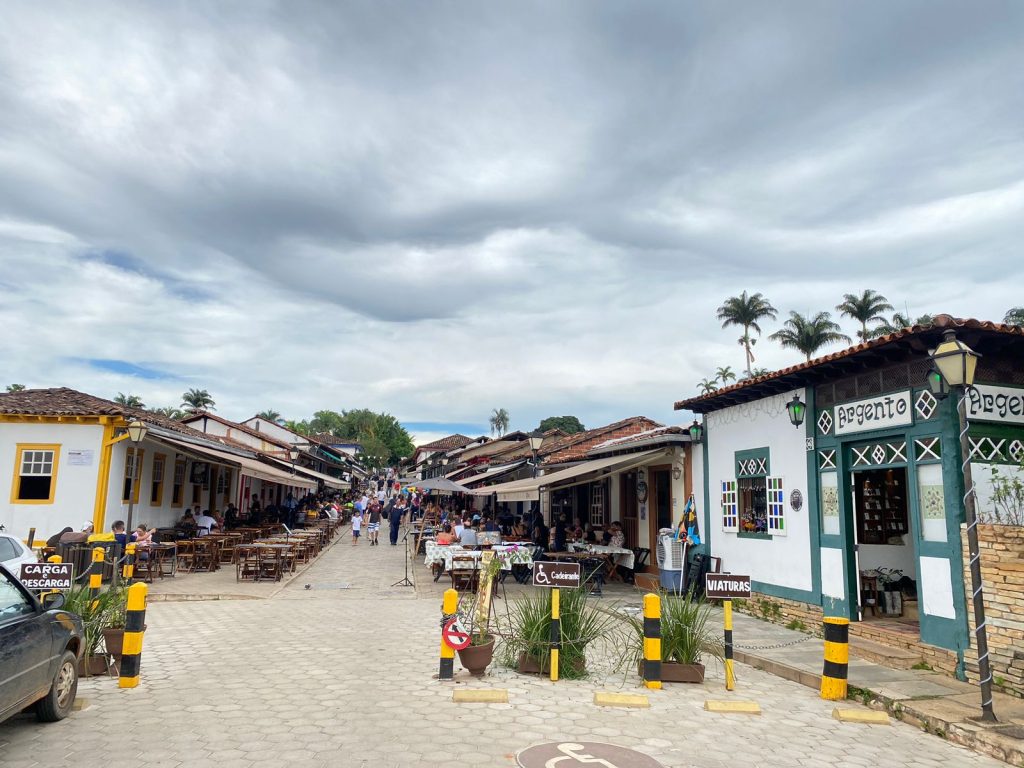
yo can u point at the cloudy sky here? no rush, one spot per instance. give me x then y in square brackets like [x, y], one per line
[436, 209]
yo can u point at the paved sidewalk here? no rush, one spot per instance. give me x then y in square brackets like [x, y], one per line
[931, 700]
[341, 674]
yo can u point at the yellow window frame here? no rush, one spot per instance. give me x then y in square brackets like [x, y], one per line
[138, 473]
[181, 500]
[162, 459]
[19, 454]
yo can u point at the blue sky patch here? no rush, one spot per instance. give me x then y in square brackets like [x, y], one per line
[126, 369]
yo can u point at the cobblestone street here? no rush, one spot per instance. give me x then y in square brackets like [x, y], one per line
[341, 675]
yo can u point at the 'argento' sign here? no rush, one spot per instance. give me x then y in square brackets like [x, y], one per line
[988, 403]
[874, 413]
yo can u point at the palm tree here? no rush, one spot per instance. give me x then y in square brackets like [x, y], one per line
[169, 411]
[269, 415]
[725, 374]
[745, 311]
[809, 334]
[865, 308]
[707, 386]
[1013, 317]
[499, 421]
[15, 387]
[132, 401]
[197, 400]
[898, 323]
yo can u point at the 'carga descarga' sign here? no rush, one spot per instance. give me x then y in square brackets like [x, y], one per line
[873, 413]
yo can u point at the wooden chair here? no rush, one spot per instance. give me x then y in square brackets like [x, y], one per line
[271, 564]
[465, 573]
[227, 547]
[186, 556]
[247, 562]
[206, 552]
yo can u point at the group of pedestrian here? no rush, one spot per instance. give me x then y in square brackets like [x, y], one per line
[381, 501]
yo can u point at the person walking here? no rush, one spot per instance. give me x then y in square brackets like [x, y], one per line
[357, 523]
[373, 527]
[395, 518]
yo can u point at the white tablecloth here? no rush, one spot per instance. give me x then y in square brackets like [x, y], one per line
[510, 554]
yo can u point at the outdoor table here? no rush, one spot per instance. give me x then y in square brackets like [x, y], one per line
[508, 554]
[164, 554]
[620, 555]
[591, 576]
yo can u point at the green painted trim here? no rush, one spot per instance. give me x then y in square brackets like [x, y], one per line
[786, 593]
[706, 533]
[752, 453]
[832, 541]
[751, 535]
[812, 504]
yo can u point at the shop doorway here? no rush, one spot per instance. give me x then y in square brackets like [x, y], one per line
[886, 553]
[660, 514]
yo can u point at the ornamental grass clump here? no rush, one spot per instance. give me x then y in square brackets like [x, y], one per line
[685, 632]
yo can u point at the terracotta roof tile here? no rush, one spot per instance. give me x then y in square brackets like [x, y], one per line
[446, 443]
[234, 425]
[941, 322]
[575, 447]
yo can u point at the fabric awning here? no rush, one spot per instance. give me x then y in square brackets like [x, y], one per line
[529, 490]
[247, 466]
[327, 480]
[493, 473]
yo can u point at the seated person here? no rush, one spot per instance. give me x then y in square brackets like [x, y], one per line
[205, 523]
[187, 524]
[119, 535]
[54, 540]
[459, 527]
[539, 535]
[559, 537]
[231, 516]
[577, 532]
[617, 537]
[590, 535]
[490, 526]
[77, 538]
[469, 533]
[519, 529]
[446, 537]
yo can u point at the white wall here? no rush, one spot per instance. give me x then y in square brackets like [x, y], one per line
[785, 560]
[889, 556]
[75, 492]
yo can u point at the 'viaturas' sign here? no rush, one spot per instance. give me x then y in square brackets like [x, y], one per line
[988, 403]
[873, 413]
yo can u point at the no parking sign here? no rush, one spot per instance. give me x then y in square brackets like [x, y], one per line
[455, 635]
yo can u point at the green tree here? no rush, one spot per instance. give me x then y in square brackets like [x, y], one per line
[898, 322]
[170, 412]
[724, 375]
[1014, 316]
[302, 427]
[269, 415]
[865, 308]
[15, 387]
[745, 312]
[380, 431]
[499, 421]
[197, 400]
[707, 386]
[568, 424]
[809, 334]
[131, 401]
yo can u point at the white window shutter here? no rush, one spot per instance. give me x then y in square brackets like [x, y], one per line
[730, 507]
[776, 507]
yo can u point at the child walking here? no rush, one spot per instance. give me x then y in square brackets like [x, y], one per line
[357, 522]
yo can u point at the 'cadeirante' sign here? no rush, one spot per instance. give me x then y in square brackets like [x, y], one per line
[873, 413]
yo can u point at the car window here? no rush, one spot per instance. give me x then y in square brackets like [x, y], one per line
[7, 549]
[12, 600]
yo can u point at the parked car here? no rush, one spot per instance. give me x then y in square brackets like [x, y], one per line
[39, 649]
[13, 553]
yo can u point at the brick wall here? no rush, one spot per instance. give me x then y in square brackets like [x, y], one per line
[1002, 574]
[779, 610]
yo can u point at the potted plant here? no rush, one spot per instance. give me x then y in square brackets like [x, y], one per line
[527, 638]
[477, 657]
[685, 638]
[113, 632]
[95, 615]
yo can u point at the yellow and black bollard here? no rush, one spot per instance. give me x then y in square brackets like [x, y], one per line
[134, 621]
[652, 641]
[128, 570]
[96, 573]
[556, 632]
[52, 559]
[837, 659]
[730, 675]
[448, 609]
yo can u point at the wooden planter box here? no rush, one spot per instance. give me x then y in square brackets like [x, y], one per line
[673, 672]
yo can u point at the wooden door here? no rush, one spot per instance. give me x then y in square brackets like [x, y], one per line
[628, 505]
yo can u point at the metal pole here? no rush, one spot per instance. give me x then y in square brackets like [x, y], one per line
[136, 473]
[980, 633]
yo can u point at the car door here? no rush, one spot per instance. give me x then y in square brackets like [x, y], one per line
[25, 645]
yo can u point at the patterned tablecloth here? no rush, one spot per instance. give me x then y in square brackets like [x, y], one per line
[510, 554]
[621, 556]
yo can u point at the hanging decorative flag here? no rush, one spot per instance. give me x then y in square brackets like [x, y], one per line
[684, 521]
[692, 525]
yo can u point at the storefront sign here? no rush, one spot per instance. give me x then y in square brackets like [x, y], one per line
[873, 413]
[40, 576]
[549, 574]
[988, 403]
[727, 586]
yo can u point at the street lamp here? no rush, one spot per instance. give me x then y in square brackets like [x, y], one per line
[797, 410]
[956, 363]
[136, 433]
[696, 431]
[536, 441]
[293, 454]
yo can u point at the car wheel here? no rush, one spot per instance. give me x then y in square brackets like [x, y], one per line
[56, 705]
